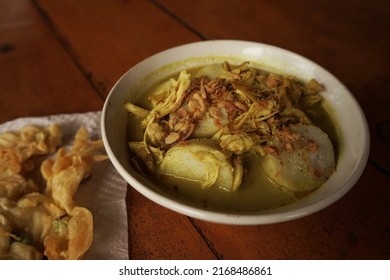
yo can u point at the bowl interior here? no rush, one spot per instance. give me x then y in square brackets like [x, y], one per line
[347, 112]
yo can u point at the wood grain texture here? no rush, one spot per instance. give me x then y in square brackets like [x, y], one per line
[37, 76]
[355, 227]
[158, 233]
[63, 56]
[345, 37]
[107, 39]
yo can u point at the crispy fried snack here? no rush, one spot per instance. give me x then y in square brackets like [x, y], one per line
[64, 174]
[72, 235]
[34, 224]
[16, 148]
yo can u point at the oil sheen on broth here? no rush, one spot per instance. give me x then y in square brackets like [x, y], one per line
[256, 192]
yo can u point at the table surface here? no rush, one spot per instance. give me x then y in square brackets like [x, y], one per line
[64, 56]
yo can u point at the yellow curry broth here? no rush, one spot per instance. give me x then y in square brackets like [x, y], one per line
[256, 192]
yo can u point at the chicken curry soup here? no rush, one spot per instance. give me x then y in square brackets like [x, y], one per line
[234, 137]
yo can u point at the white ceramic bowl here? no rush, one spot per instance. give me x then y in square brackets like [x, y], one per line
[347, 111]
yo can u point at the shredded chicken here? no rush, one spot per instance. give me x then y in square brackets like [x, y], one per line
[242, 109]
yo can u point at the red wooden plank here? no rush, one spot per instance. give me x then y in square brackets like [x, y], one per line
[37, 76]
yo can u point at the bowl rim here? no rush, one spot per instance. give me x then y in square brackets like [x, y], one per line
[264, 217]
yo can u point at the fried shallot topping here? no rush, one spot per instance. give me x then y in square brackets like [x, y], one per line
[243, 108]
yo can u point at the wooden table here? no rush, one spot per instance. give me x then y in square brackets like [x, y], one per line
[63, 56]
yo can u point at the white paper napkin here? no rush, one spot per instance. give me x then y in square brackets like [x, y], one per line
[103, 194]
